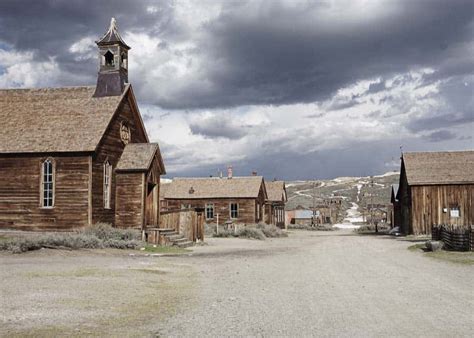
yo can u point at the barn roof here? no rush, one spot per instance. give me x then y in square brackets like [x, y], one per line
[430, 168]
[139, 156]
[275, 191]
[214, 187]
[66, 119]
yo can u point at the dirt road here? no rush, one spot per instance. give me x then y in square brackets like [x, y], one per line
[309, 284]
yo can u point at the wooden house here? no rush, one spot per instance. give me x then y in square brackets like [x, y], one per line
[275, 203]
[436, 188]
[236, 199]
[74, 156]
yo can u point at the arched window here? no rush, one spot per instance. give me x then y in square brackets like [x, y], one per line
[47, 184]
[124, 62]
[107, 184]
[109, 58]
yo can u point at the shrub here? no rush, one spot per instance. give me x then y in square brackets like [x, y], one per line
[271, 231]
[225, 233]
[97, 236]
[105, 231]
[247, 232]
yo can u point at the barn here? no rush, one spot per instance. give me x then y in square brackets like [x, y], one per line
[74, 156]
[275, 203]
[435, 188]
[237, 199]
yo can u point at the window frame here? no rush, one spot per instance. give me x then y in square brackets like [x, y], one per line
[52, 182]
[236, 211]
[454, 208]
[209, 206]
[107, 184]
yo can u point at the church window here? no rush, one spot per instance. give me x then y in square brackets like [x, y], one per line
[47, 184]
[107, 184]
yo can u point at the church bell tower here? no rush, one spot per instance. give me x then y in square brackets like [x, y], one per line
[113, 63]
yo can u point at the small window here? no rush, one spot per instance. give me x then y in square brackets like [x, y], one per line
[234, 210]
[454, 212]
[258, 212]
[109, 59]
[47, 184]
[107, 184]
[209, 211]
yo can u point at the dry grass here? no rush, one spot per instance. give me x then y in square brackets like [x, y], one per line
[97, 236]
[466, 257]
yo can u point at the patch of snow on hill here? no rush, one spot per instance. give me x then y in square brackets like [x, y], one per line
[353, 216]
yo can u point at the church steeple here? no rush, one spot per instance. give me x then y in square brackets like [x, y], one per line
[113, 63]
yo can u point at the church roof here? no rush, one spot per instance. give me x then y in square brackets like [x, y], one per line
[64, 119]
[112, 36]
[139, 156]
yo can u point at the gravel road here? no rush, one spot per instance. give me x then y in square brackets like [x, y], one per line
[309, 284]
[325, 284]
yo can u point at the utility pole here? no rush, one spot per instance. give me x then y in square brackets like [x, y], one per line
[314, 204]
[372, 222]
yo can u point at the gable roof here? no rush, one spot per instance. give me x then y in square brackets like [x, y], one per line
[139, 156]
[214, 187]
[430, 168]
[394, 193]
[276, 191]
[64, 119]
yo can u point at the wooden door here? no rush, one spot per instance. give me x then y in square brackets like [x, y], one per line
[151, 205]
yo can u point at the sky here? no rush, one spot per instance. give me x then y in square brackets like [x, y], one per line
[290, 89]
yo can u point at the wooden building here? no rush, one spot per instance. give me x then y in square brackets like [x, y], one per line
[436, 188]
[74, 156]
[394, 211]
[236, 199]
[275, 203]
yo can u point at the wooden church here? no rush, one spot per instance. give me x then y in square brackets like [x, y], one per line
[74, 156]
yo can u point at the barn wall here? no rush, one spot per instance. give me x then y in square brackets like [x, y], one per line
[429, 201]
[129, 200]
[111, 148]
[20, 186]
[222, 206]
[404, 193]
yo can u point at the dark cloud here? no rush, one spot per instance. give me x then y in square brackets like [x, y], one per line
[218, 126]
[441, 135]
[268, 53]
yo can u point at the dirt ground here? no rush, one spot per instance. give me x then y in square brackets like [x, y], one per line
[309, 284]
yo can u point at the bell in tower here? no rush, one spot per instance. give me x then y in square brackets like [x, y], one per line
[113, 63]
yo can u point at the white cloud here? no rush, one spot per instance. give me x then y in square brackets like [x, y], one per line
[84, 49]
[20, 69]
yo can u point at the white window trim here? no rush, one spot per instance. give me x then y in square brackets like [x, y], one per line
[230, 210]
[53, 183]
[209, 205]
[107, 184]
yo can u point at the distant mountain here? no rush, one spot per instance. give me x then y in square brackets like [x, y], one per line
[352, 189]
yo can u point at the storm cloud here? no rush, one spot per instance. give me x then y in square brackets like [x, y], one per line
[254, 82]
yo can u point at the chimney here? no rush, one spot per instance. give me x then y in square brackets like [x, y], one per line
[229, 172]
[254, 173]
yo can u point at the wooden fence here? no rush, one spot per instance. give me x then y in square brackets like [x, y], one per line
[454, 237]
[187, 222]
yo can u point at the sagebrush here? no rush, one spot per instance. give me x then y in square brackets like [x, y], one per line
[94, 237]
[271, 231]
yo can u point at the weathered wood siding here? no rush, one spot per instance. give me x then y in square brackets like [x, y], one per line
[247, 209]
[428, 202]
[111, 148]
[20, 187]
[129, 200]
[404, 194]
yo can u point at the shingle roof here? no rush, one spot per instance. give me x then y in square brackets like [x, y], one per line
[428, 168]
[64, 119]
[275, 191]
[112, 35]
[210, 187]
[138, 157]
